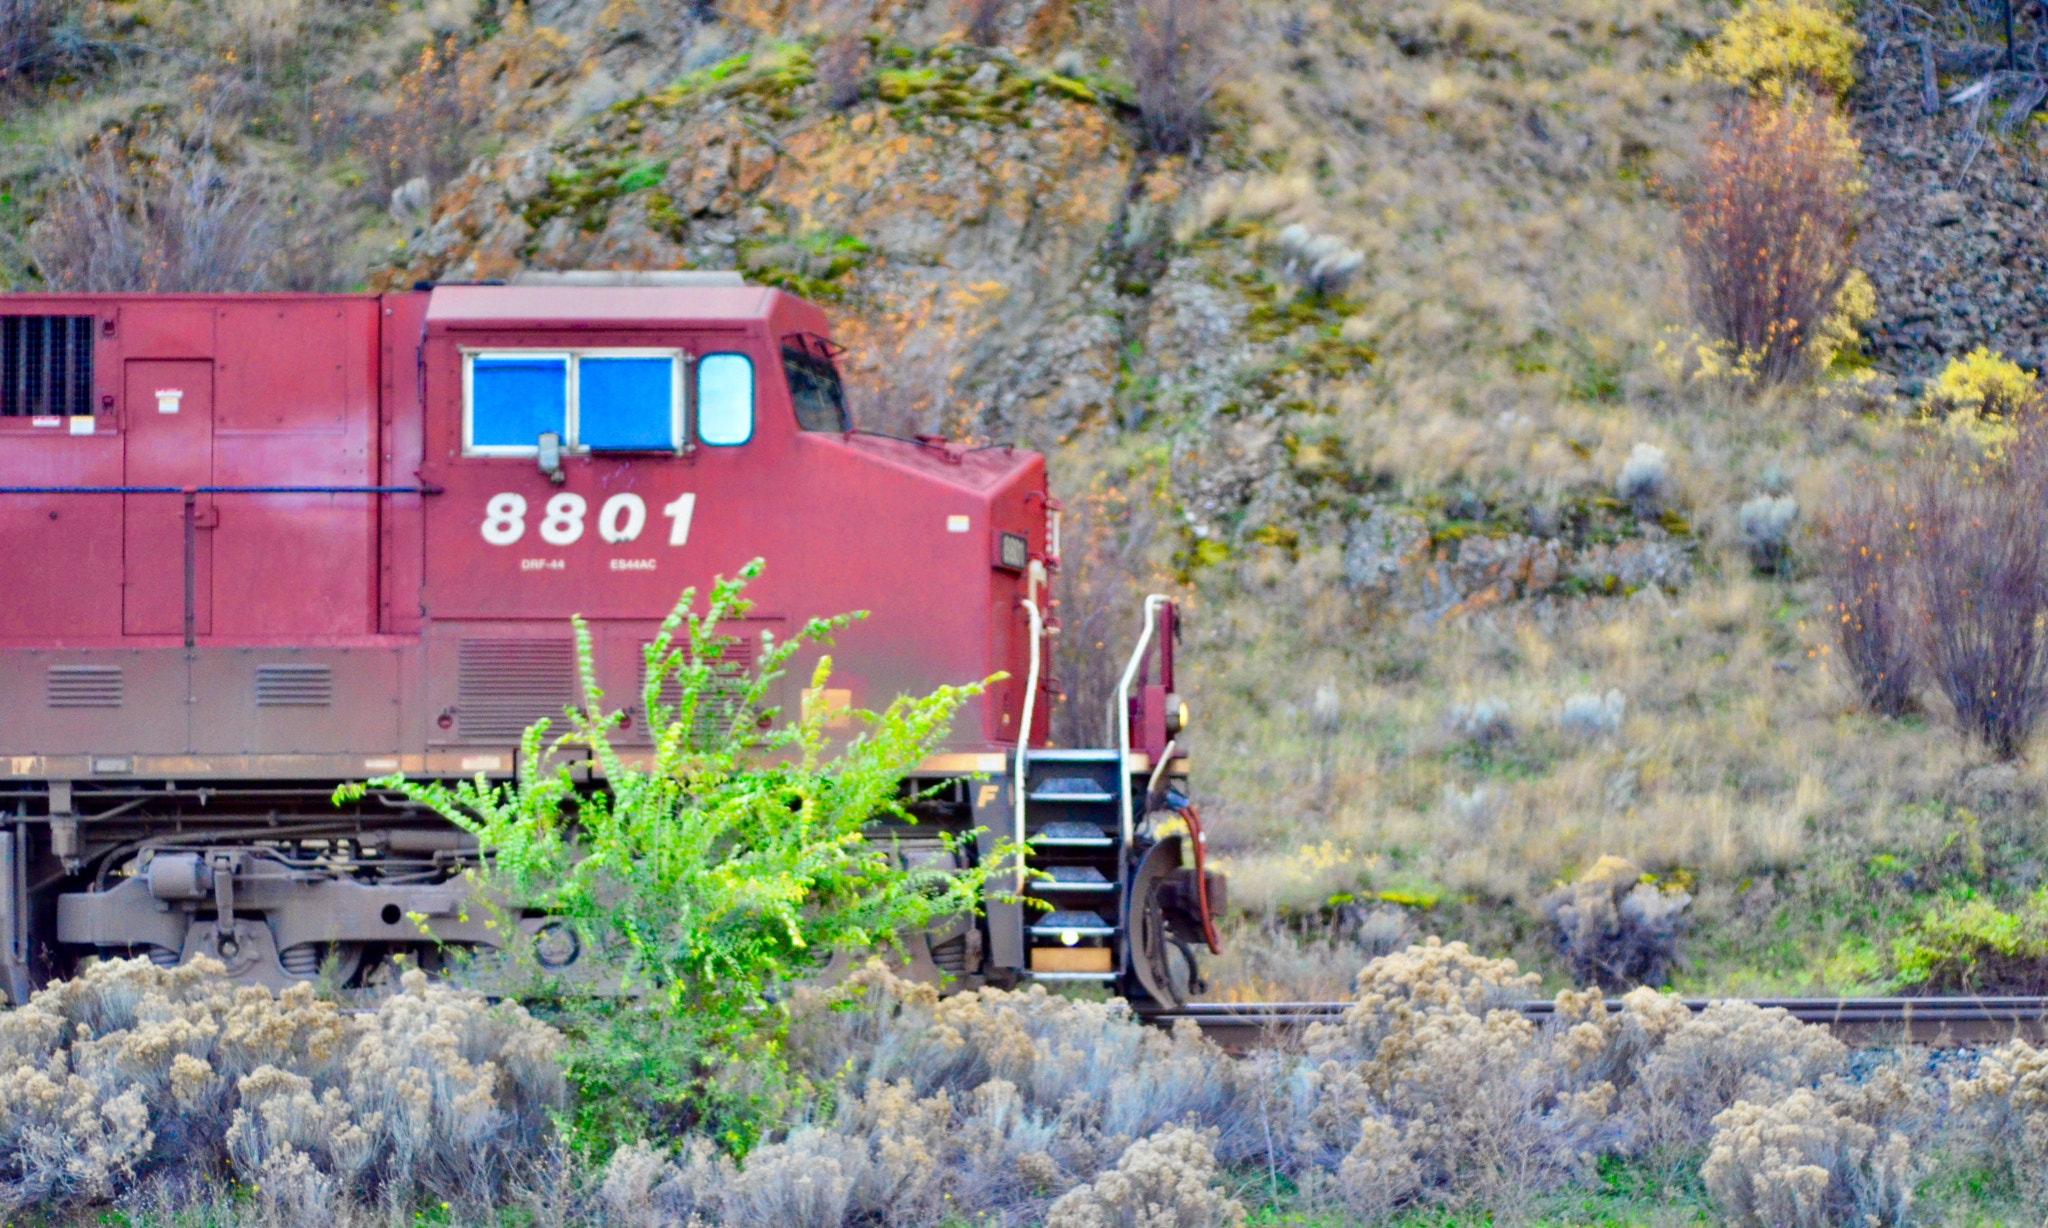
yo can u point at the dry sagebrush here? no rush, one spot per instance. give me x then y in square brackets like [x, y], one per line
[1432, 1092]
[2004, 1111]
[1018, 1107]
[131, 1071]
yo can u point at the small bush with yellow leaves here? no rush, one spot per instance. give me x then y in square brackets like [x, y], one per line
[1772, 45]
[1981, 389]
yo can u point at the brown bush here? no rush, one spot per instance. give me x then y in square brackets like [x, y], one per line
[1863, 542]
[843, 70]
[984, 20]
[1174, 52]
[1980, 567]
[435, 111]
[155, 218]
[29, 37]
[1766, 228]
[1613, 929]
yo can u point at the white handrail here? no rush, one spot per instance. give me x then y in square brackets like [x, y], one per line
[1024, 734]
[1123, 710]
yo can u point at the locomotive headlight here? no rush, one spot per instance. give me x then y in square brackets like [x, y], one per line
[1176, 714]
[1013, 552]
[1070, 938]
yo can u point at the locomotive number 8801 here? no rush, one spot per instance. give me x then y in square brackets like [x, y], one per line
[261, 545]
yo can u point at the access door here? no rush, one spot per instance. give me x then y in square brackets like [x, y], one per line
[168, 422]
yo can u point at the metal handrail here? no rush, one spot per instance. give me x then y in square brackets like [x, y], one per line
[219, 490]
[1024, 734]
[1153, 601]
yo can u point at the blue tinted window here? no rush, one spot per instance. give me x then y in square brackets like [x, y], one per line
[725, 399]
[625, 404]
[513, 399]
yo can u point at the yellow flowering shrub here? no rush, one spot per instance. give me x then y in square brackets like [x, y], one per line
[1976, 396]
[1983, 382]
[1772, 44]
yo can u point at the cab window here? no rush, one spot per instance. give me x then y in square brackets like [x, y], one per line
[626, 402]
[815, 390]
[593, 401]
[513, 399]
[725, 399]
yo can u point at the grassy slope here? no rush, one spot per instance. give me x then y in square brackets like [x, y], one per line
[1348, 491]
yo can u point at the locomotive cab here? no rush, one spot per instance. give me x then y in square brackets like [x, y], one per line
[594, 451]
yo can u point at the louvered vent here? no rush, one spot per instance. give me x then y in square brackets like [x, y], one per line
[294, 686]
[503, 686]
[83, 686]
[715, 708]
[45, 366]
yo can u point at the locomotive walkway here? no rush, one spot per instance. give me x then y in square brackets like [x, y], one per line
[1866, 1022]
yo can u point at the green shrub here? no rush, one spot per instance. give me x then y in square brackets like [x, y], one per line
[708, 880]
[1971, 946]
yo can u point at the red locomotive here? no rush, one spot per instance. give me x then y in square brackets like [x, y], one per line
[258, 545]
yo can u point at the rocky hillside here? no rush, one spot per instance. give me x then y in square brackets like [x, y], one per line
[1389, 373]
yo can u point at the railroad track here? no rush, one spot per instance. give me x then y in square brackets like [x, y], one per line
[1866, 1022]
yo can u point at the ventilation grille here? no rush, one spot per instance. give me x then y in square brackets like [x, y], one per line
[503, 686]
[84, 686]
[45, 366]
[721, 700]
[294, 686]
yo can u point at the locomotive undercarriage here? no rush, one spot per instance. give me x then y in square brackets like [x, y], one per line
[281, 886]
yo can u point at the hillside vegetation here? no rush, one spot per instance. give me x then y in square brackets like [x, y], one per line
[1390, 370]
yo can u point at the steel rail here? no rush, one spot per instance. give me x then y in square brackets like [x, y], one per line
[1868, 1022]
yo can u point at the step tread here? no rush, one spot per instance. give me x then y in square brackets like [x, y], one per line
[1067, 833]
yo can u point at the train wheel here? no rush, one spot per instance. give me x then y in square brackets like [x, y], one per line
[1145, 923]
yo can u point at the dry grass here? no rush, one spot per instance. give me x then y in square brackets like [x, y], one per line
[156, 218]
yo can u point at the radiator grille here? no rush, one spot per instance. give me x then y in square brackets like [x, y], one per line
[83, 686]
[45, 366]
[294, 686]
[503, 686]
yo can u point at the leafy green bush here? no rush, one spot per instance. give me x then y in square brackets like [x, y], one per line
[1971, 946]
[706, 881]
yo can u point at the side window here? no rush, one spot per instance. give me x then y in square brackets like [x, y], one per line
[626, 403]
[725, 399]
[513, 399]
[815, 390]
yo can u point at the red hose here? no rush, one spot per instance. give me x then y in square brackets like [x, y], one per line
[1193, 818]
